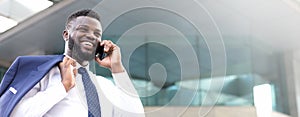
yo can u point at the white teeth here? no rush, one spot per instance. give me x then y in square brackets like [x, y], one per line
[87, 43]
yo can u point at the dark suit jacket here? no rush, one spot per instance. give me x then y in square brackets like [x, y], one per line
[23, 74]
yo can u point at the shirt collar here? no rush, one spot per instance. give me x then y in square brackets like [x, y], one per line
[87, 67]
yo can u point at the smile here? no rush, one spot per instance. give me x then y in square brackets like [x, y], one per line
[88, 44]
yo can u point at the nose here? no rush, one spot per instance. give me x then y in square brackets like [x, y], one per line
[90, 35]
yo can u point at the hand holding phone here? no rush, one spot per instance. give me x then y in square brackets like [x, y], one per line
[111, 56]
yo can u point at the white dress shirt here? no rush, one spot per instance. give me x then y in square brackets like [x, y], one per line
[48, 98]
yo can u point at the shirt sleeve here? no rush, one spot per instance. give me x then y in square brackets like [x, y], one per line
[130, 103]
[42, 97]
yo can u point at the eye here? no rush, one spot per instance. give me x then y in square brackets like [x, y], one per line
[97, 34]
[82, 29]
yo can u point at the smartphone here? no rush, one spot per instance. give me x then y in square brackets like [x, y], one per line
[100, 52]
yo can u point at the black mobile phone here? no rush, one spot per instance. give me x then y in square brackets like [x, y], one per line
[100, 52]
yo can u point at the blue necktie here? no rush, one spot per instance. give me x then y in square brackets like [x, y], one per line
[90, 93]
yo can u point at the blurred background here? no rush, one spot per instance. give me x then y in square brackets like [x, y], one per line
[214, 58]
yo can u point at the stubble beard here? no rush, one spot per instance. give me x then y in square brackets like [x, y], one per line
[76, 52]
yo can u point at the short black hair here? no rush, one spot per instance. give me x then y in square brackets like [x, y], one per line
[83, 12]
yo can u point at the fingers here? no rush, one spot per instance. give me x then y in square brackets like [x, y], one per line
[75, 71]
[70, 63]
[109, 46]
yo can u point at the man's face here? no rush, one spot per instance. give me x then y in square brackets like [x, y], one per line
[84, 35]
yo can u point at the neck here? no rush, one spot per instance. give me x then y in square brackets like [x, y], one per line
[83, 63]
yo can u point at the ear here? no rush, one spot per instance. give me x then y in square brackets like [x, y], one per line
[65, 35]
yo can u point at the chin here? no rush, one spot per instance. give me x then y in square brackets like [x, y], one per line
[87, 51]
[87, 55]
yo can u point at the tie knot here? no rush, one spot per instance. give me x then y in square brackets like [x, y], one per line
[82, 70]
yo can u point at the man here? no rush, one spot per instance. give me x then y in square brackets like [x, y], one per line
[68, 88]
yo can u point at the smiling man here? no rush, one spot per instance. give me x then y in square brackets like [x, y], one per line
[63, 86]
